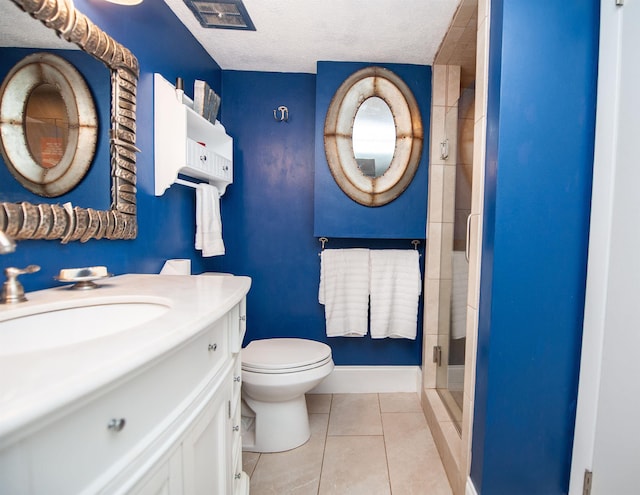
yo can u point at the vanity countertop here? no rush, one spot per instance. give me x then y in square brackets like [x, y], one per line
[41, 383]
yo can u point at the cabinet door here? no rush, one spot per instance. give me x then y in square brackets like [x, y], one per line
[164, 479]
[206, 448]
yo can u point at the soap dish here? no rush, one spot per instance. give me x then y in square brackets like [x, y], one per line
[83, 278]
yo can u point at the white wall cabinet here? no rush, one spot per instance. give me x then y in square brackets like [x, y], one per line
[186, 143]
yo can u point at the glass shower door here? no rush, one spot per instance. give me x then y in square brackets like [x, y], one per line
[452, 337]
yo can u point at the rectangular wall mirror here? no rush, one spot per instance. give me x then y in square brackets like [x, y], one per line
[67, 222]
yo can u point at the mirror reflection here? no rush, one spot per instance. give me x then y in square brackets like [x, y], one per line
[46, 125]
[374, 137]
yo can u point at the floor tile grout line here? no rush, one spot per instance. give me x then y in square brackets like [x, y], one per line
[384, 443]
[255, 465]
[324, 447]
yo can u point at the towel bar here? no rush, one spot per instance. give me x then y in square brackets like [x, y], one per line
[186, 183]
[190, 184]
[324, 240]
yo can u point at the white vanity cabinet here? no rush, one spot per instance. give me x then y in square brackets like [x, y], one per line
[207, 458]
[171, 426]
[201, 461]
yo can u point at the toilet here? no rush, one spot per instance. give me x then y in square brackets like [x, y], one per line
[276, 373]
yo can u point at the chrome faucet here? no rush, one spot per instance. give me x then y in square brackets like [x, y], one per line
[12, 290]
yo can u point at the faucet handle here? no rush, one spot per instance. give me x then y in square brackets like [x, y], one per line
[12, 271]
[12, 290]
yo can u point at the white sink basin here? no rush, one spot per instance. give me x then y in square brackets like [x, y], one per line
[48, 329]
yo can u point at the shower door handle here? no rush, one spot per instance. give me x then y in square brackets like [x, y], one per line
[437, 355]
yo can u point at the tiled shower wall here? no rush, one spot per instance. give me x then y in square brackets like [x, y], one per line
[441, 217]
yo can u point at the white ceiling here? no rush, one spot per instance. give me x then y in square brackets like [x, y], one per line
[292, 35]
[19, 29]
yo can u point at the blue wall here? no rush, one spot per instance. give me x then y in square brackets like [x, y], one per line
[268, 217]
[162, 44]
[541, 118]
[337, 215]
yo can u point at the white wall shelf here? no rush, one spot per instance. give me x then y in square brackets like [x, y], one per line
[186, 143]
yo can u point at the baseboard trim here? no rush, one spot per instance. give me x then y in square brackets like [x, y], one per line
[470, 489]
[371, 379]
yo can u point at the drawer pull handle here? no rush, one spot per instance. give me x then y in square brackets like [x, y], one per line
[243, 318]
[213, 347]
[116, 424]
[236, 428]
[238, 476]
[236, 379]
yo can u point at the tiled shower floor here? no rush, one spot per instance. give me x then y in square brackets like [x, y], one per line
[361, 444]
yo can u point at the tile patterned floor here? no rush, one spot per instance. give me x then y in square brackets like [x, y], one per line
[361, 444]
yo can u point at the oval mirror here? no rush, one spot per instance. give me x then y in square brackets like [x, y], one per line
[373, 165]
[374, 137]
[48, 124]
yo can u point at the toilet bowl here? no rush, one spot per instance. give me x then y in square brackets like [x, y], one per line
[276, 373]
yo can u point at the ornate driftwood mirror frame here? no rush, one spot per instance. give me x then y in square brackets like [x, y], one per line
[73, 223]
[338, 136]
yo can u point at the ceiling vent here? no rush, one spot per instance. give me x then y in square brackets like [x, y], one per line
[221, 14]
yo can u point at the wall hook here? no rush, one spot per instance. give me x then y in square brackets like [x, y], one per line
[284, 114]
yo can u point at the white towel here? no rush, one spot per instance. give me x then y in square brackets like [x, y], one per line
[459, 295]
[395, 288]
[344, 291]
[208, 221]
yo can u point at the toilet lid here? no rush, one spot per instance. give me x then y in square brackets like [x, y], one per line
[284, 354]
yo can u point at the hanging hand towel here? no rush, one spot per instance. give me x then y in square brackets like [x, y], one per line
[395, 288]
[208, 221]
[459, 295]
[344, 291]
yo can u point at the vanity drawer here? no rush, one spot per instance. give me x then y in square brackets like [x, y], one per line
[236, 467]
[86, 449]
[236, 425]
[237, 385]
[238, 326]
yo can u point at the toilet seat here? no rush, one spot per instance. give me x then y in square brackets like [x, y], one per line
[286, 355]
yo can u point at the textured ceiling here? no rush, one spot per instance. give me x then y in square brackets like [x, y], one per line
[292, 35]
[20, 29]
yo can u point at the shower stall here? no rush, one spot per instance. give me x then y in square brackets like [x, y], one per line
[454, 231]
